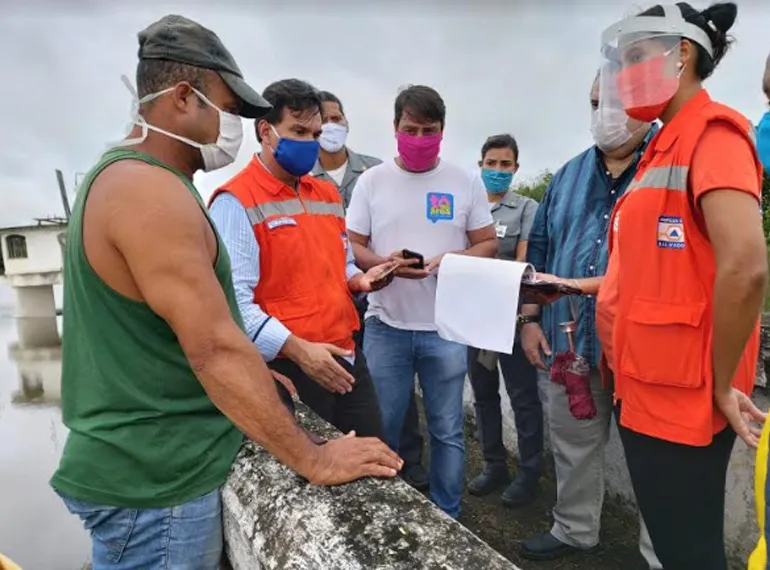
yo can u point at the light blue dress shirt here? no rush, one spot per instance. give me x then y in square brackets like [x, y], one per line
[234, 226]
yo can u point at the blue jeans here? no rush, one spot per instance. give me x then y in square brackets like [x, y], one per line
[394, 356]
[185, 537]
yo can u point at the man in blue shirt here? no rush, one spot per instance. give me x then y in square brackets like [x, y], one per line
[569, 239]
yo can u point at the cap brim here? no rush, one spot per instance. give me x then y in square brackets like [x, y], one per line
[254, 105]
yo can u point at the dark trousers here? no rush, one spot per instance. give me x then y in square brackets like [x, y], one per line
[681, 494]
[412, 443]
[357, 410]
[521, 384]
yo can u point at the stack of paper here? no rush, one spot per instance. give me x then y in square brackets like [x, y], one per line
[477, 300]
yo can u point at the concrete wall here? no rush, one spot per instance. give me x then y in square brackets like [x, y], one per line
[740, 520]
[275, 520]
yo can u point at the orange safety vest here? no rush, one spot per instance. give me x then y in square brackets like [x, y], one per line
[663, 331]
[303, 246]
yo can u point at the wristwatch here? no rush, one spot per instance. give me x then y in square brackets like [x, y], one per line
[524, 319]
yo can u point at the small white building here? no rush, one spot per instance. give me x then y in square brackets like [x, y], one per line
[32, 255]
[31, 263]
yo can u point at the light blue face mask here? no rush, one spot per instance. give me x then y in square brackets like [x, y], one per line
[763, 140]
[496, 181]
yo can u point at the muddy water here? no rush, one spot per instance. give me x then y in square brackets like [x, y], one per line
[36, 531]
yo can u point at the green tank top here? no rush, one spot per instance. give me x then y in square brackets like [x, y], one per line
[142, 431]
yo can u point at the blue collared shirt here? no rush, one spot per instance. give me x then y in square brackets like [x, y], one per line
[237, 233]
[569, 239]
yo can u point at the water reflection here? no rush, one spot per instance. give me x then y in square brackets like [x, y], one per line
[36, 531]
[39, 376]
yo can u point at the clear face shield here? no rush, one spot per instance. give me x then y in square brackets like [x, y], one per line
[641, 64]
[611, 127]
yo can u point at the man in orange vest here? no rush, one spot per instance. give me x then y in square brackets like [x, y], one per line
[293, 268]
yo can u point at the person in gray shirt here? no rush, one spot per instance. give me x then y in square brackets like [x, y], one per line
[336, 162]
[342, 167]
[513, 215]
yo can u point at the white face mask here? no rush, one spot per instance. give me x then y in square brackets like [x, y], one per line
[215, 155]
[611, 131]
[333, 137]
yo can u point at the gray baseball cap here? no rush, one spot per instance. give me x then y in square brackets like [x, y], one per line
[179, 39]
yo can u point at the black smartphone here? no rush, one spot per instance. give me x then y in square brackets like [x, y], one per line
[409, 254]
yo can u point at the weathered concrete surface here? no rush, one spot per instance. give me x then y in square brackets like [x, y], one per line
[275, 520]
[740, 520]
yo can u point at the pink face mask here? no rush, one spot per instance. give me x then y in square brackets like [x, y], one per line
[418, 153]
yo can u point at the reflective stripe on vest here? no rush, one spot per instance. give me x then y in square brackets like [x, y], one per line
[663, 178]
[259, 213]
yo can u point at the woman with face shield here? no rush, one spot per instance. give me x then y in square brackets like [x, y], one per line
[678, 311]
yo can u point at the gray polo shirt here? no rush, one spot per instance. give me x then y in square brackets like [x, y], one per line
[357, 164]
[513, 216]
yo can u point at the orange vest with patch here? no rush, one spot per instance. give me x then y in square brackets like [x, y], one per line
[302, 253]
[663, 330]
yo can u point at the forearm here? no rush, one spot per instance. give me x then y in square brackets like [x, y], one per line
[240, 385]
[530, 310]
[352, 272]
[521, 252]
[366, 258]
[355, 285]
[266, 332]
[738, 300]
[588, 285]
[485, 248]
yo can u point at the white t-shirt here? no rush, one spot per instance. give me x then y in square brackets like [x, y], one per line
[338, 174]
[429, 213]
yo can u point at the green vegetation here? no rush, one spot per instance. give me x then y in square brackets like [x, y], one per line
[535, 187]
[766, 206]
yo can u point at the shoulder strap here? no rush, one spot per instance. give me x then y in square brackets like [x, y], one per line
[120, 153]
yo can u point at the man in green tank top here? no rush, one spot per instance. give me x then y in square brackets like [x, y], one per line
[159, 381]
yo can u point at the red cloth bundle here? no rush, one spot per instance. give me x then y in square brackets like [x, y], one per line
[572, 371]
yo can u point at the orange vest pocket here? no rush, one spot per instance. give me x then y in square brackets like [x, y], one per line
[664, 343]
[294, 307]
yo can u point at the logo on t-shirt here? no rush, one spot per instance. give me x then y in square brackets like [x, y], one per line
[670, 232]
[440, 206]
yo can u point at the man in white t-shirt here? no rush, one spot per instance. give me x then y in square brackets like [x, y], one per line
[428, 206]
[341, 166]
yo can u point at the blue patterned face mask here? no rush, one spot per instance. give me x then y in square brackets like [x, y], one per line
[763, 141]
[496, 181]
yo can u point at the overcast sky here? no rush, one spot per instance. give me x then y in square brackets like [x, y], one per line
[518, 67]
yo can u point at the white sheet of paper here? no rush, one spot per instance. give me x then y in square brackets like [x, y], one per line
[477, 301]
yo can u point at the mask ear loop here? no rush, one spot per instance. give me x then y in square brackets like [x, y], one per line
[136, 118]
